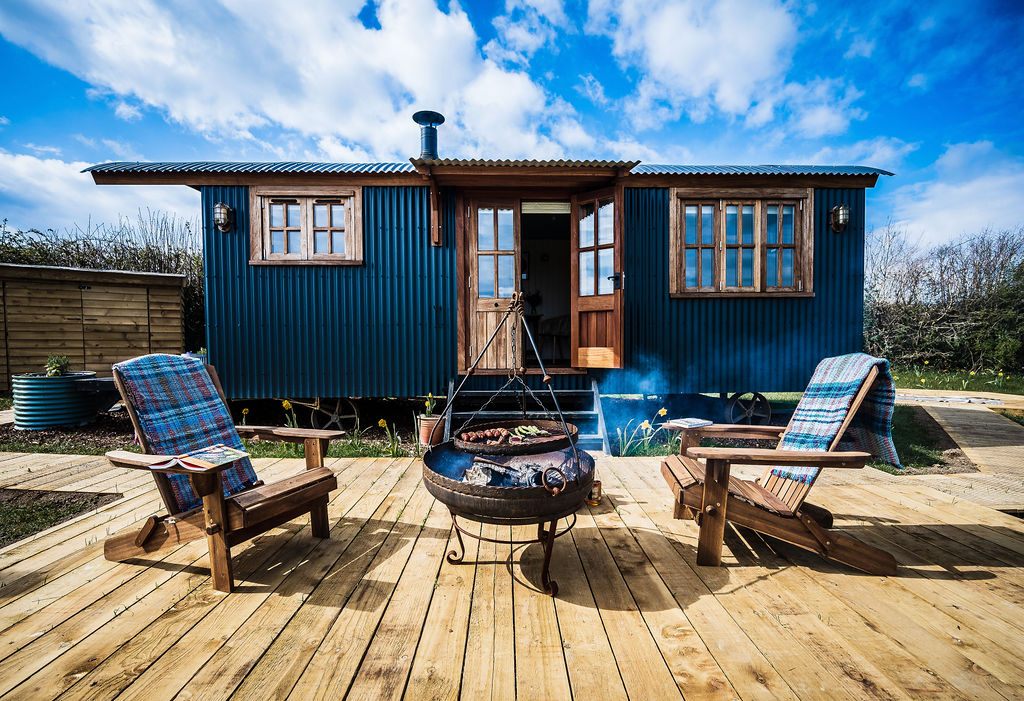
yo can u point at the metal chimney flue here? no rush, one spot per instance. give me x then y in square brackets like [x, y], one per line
[428, 122]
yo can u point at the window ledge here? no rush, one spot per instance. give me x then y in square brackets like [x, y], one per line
[737, 295]
[305, 262]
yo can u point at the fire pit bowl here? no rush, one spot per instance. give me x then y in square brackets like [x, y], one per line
[541, 444]
[561, 481]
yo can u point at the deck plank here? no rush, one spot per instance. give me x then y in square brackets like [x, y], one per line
[377, 611]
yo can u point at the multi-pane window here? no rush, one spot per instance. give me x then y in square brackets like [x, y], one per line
[305, 227]
[780, 245]
[496, 252]
[597, 247]
[740, 244]
[699, 239]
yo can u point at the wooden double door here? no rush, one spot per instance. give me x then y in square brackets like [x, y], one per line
[593, 282]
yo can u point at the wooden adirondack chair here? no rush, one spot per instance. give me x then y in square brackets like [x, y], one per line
[772, 505]
[235, 506]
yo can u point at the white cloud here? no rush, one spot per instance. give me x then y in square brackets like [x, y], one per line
[861, 47]
[311, 69]
[525, 28]
[4, 121]
[592, 89]
[48, 193]
[975, 187]
[918, 80]
[886, 152]
[43, 150]
[730, 59]
[129, 113]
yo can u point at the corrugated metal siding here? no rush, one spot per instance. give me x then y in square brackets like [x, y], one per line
[387, 328]
[384, 328]
[719, 345]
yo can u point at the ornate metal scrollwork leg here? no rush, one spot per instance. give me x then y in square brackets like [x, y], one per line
[454, 556]
[550, 586]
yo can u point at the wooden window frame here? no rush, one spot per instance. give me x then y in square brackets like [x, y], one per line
[595, 247]
[260, 198]
[486, 303]
[803, 265]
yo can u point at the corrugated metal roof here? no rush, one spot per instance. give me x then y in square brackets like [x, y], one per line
[197, 167]
[653, 169]
[520, 163]
[273, 168]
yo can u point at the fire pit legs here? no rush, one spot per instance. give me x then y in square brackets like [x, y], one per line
[455, 557]
[550, 586]
[546, 536]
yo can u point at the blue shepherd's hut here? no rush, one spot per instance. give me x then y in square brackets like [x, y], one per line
[386, 279]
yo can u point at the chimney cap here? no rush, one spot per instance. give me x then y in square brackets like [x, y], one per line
[427, 118]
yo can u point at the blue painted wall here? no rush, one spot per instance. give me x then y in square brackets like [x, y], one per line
[384, 328]
[713, 345]
[388, 327]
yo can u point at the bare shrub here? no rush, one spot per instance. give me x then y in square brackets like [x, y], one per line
[961, 302]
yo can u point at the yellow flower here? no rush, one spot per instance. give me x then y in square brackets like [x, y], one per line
[287, 405]
[972, 373]
[922, 380]
[645, 425]
[427, 403]
[926, 362]
[662, 411]
[382, 423]
[430, 395]
[245, 411]
[1000, 374]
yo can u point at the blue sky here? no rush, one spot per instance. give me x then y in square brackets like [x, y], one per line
[926, 90]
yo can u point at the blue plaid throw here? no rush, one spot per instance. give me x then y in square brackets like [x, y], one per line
[180, 410]
[824, 407]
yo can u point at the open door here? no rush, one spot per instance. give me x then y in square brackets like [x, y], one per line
[597, 279]
[493, 267]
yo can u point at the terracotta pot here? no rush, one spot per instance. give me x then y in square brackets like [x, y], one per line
[427, 426]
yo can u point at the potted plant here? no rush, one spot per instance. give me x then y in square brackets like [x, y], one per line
[431, 425]
[52, 397]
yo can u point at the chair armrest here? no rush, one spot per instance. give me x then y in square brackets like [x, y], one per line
[734, 431]
[286, 433]
[759, 456]
[141, 461]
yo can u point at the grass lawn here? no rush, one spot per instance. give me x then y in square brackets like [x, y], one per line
[1013, 415]
[24, 511]
[935, 377]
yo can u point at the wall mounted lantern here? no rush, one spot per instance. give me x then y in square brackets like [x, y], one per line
[223, 217]
[839, 217]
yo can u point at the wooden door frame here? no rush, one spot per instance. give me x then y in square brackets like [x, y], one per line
[464, 200]
[617, 192]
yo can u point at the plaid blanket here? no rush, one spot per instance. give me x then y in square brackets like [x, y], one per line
[180, 410]
[824, 407]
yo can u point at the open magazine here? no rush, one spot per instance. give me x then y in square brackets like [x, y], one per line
[205, 458]
[687, 423]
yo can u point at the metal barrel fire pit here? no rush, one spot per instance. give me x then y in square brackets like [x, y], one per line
[514, 472]
[561, 481]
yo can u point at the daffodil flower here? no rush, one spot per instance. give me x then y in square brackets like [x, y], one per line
[645, 425]
[662, 411]
[382, 423]
[245, 411]
[287, 405]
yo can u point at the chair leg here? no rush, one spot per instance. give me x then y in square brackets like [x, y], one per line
[318, 521]
[820, 514]
[712, 521]
[209, 487]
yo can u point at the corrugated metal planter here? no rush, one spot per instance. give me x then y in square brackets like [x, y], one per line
[45, 402]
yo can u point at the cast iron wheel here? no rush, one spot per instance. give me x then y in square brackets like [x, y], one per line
[323, 417]
[748, 408]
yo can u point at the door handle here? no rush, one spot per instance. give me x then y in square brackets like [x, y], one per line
[616, 280]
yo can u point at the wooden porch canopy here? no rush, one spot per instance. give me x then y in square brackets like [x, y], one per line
[490, 174]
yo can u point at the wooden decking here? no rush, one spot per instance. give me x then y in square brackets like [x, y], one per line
[376, 612]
